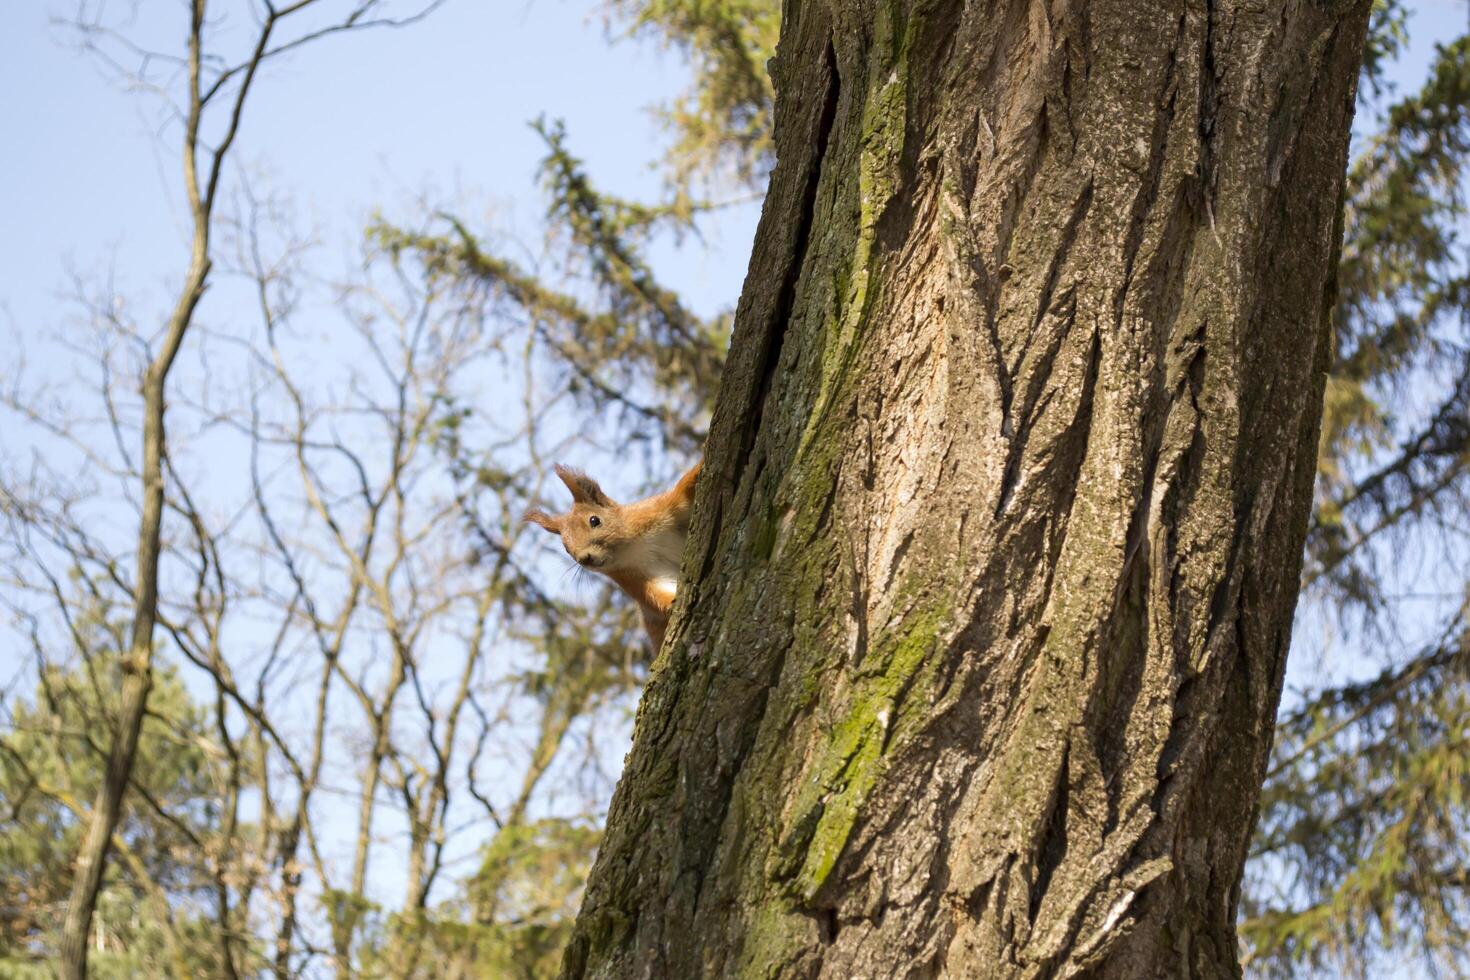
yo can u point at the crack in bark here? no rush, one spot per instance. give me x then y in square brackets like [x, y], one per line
[1082, 421]
[1209, 101]
[1036, 391]
[775, 337]
[1149, 189]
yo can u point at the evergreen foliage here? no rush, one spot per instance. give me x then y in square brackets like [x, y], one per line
[722, 124]
[50, 761]
[1360, 859]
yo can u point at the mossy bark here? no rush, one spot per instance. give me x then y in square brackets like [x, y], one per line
[995, 554]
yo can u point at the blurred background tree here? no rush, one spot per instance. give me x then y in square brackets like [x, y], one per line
[386, 725]
[154, 912]
[1360, 860]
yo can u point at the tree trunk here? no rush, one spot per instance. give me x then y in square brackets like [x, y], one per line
[991, 580]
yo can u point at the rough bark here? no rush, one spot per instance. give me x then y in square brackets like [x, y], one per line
[991, 579]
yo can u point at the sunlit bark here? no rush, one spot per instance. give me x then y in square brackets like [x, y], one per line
[992, 575]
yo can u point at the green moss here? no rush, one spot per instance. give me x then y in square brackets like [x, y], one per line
[881, 140]
[606, 930]
[765, 535]
[830, 801]
[769, 934]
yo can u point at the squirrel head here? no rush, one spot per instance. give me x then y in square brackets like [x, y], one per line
[594, 530]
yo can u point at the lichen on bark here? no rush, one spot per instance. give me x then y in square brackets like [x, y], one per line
[993, 565]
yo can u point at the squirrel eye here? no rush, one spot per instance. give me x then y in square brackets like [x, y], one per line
[595, 521]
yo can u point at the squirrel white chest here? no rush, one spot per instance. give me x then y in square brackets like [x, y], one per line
[655, 557]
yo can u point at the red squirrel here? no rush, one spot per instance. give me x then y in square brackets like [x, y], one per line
[637, 545]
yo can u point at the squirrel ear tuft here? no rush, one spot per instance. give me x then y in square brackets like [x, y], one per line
[584, 489]
[684, 489]
[543, 519]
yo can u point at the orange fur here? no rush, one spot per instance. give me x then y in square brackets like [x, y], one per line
[638, 546]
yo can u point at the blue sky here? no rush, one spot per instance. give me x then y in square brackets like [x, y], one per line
[372, 119]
